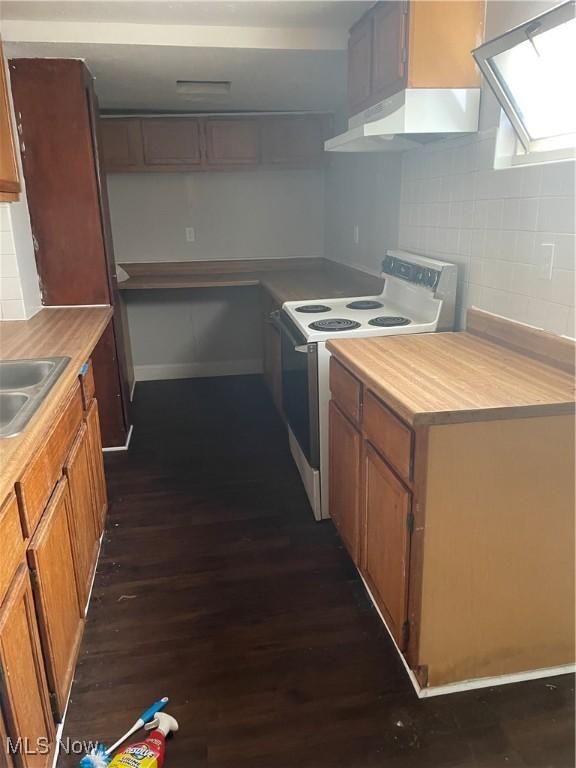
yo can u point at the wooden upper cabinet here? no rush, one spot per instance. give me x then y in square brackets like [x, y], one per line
[413, 44]
[360, 64]
[344, 474]
[51, 558]
[83, 529]
[389, 49]
[204, 144]
[23, 687]
[121, 143]
[293, 141]
[232, 142]
[174, 141]
[386, 542]
[9, 175]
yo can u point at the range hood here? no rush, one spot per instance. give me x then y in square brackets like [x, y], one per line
[408, 119]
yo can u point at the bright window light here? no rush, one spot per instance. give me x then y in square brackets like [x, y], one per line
[532, 71]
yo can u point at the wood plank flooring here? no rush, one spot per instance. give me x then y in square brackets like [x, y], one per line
[217, 588]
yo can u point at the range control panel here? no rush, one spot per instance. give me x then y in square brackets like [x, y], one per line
[413, 273]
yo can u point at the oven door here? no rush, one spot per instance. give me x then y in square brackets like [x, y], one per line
[300, 387]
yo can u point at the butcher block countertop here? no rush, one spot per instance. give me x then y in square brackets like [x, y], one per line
[441, 378]
[284, 279]
[72, 332]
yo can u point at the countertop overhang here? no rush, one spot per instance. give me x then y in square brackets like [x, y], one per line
[446, 378]
[53, 332]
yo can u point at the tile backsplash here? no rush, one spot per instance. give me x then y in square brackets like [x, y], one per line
[493, 224]
[12, 305]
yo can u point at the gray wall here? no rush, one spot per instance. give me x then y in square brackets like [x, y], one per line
[262, 214]
[362, 189]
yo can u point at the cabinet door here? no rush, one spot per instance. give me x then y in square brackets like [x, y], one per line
[9, 177]
[5, 757]
[232, 142]
[387, 542]
[344, 477]
[25, 699]
[292, 140]
[273, 363]
[388, 50]
[50, 556]
[83, 529]
[360, 65]
[97, 476]
[121, 143]
[171, 141]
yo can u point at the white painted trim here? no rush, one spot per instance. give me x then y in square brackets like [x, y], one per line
[468, 685]
[197, 370]
[121, 447]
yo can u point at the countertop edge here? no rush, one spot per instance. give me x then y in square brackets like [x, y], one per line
[417, 419]
[39, 425]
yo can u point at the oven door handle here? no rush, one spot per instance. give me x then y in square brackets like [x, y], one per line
[275, 320]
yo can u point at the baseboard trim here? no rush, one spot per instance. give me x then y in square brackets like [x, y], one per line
[467, 685]
[121, 447]
[197, 370]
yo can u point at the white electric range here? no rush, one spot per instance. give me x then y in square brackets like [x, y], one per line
[418, 297]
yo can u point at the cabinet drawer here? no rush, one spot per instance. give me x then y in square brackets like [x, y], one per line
[41, 475]
[87, 385]
[346, 391]
[11, 543]
[389, 435]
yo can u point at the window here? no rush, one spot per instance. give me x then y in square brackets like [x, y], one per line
[532, 71]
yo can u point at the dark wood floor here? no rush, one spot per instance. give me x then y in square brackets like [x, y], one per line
[216, 587]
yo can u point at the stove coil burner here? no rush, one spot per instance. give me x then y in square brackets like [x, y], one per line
[387, 321]
[312, 308]
[364, 304]
[334, 324]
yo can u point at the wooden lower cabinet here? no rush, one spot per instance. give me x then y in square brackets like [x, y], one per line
[51, 559]
[23, 686]
[345, 453]
[84, 513]
[6, 760]
[98, 480]
[273, 363]
[386, 546]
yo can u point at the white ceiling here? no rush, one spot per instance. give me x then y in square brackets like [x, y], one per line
[266, 13]
[278, 55]
[130, 77]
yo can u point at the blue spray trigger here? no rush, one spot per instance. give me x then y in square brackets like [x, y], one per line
[156, 707]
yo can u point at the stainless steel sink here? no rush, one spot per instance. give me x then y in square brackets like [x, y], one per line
[23, 386]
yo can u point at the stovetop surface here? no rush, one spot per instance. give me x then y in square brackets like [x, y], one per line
[323, 319]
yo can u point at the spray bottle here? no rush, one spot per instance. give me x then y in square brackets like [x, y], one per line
[150, 752]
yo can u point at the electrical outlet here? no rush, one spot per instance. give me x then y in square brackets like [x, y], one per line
[545, 260]
[356, 234]
[190, 235]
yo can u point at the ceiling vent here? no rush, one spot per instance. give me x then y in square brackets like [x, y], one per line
[202, 89]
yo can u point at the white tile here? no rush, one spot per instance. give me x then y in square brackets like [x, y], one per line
[478, 243]
[508, 244]
[10, 288]
[510, 213]
[493, 244]
[531, 180]
[547, 315]
[13, 309]
[494, 214]
[467, 214]
[6, 242]
[479, 216]
[570, 329]
[528, 214]
[524, 251]
[558, 179]
[465, 242]
[8, 265]
[556, 214]
[5, 223]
